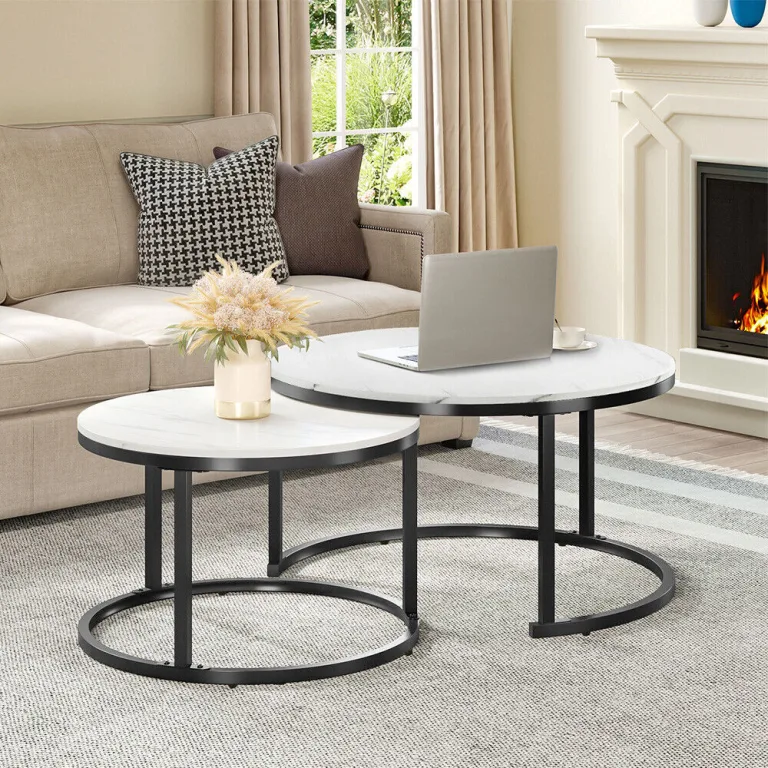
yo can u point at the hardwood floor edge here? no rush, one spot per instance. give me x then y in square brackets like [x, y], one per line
[729, 466]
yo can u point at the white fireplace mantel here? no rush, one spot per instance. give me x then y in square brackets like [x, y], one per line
[685, 94]
[718, 54]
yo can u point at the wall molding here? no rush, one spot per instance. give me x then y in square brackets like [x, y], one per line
[120, 120]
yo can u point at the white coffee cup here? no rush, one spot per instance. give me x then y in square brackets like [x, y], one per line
[568, 336]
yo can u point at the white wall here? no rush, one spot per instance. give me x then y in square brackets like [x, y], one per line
[77, 60]
[566, 147]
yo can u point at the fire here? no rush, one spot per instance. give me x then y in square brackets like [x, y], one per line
[755, 319]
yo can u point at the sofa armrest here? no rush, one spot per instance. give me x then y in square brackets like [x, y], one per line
[398, 238]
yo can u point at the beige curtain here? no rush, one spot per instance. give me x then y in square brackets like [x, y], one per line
[468, 87]
[262, 65]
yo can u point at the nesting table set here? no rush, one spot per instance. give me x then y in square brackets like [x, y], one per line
[335, 408]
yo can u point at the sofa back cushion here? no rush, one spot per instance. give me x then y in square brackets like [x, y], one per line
[68, 219]
[318, 214]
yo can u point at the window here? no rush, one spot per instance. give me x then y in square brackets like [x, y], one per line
[363, 92]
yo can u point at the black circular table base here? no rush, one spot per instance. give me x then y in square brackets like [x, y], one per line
[246, 675]
[576, 625]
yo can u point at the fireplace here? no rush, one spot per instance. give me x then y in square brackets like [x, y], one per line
[732, 251]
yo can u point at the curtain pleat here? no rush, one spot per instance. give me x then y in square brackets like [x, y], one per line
[262, 64]
[470, 150]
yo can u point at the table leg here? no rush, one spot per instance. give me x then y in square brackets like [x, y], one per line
[153, 527]
[182, 595]
[587, 473]
[546, 518]
[275, 522]
[410, 533]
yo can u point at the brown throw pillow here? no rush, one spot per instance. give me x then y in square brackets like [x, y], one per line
[318, 214]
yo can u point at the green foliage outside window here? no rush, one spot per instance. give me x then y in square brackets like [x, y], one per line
[379, 23]
[370, 24]
[386, 173]
[322, 24]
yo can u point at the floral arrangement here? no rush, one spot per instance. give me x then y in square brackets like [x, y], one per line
[231, 307]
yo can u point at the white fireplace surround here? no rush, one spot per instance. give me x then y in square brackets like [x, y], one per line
[686, 95]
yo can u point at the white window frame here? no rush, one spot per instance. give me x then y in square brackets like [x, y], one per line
[341, 131]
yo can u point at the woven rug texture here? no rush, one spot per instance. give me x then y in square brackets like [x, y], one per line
[684, 688]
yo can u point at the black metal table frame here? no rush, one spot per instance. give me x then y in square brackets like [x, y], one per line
[546, 534]
[183, 588]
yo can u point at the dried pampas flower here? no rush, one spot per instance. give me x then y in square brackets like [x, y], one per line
[232, 307]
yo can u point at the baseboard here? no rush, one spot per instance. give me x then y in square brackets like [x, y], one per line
[703, 413]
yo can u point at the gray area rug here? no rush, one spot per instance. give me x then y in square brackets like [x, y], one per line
[686, 687]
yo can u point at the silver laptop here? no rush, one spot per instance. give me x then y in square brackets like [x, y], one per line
[481, 308]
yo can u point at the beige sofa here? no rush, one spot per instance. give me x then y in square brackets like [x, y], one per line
[75, 328]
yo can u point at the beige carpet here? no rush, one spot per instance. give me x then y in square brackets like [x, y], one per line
[683, 688]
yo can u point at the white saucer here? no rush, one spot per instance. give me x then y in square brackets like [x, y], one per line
[584, 345]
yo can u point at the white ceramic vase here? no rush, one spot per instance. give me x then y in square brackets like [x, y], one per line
[243, 384]
[709, 13]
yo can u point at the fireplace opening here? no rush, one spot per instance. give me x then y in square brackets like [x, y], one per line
[732, 255]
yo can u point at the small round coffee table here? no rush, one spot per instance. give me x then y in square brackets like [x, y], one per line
[177, 430]
[614, 373]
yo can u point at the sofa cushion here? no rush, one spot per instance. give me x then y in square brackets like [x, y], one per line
[144, 313]
[191, 213]
[141, 312]
[67, 214]
[356, 305]
[318, 214]
[47, 362]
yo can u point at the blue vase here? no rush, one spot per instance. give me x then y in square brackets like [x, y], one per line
[747, 13]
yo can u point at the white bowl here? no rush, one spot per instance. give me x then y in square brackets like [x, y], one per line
[568, 336]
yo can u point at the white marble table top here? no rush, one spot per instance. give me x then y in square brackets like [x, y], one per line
[181, 422]
[332, 366]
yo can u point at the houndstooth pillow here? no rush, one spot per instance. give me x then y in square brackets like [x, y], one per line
[190, 213]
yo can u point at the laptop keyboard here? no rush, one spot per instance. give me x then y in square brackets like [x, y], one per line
[410, 358]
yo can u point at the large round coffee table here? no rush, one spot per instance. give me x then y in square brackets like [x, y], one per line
[614, 373]
[177, 430]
